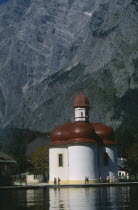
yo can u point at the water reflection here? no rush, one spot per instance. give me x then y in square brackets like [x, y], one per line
[83, 198]
[91, 198]
[88, 198]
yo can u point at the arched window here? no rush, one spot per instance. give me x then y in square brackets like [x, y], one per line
[105, 159]
[81, 114]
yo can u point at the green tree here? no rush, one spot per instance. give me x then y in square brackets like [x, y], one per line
[132, 160]
[23, 164]
[40, 160]
[125, 140]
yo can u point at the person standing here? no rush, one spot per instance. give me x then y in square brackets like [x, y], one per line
[100, 179]
[55, 180]
[128, 177]
[113, 179]
[58, 180]
[107, 179]
[85, 179]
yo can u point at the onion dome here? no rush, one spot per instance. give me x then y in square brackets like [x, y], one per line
[81, 101]
[77, 132]
[105, 132]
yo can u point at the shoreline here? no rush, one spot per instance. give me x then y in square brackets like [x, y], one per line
[45, 185]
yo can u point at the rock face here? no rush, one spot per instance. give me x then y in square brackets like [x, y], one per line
[50, 50]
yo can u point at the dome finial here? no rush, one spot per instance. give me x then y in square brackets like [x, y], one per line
[81, 100]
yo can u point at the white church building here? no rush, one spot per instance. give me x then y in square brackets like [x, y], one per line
[82, 149]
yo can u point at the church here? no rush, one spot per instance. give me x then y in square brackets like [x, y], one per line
[82, 149]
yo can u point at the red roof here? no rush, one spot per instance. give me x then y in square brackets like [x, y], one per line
[82, 132]
[105, 132]
[81, 101]
[77, 132]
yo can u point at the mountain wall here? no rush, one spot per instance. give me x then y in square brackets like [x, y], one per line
[50, 50]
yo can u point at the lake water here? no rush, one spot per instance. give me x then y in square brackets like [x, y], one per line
[89, 198]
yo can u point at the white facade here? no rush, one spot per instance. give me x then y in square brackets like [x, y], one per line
[54, 169]
[79, 161]
[83, 162]
[113, 162]
[111, 167]
[81, 114]
[122, 174]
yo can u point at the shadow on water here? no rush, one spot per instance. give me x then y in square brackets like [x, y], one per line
[88, 198]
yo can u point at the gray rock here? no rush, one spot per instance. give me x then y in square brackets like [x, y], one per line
[50, 50]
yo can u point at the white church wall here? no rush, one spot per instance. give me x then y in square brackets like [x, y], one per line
[113, 162]
[103, 170]
[54, 169]
[111, 169]
[83, 162]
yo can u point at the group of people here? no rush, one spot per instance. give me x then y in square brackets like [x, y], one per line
[56, 180]
[108, 180]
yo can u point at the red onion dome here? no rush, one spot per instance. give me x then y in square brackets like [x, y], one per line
[77, 132]
[81, 101]
[105, 132]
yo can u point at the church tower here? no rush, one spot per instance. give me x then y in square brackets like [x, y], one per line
[81, 106]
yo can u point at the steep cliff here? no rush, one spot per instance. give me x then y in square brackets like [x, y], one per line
[52, 49]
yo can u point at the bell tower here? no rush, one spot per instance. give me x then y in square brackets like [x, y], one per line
[81, 106]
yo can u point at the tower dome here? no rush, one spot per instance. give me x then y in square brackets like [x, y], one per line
[81, 101]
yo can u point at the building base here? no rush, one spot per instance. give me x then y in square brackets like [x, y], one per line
[76, 182]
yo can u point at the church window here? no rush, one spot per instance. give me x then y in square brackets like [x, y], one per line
[60, 160]
[105, 159]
